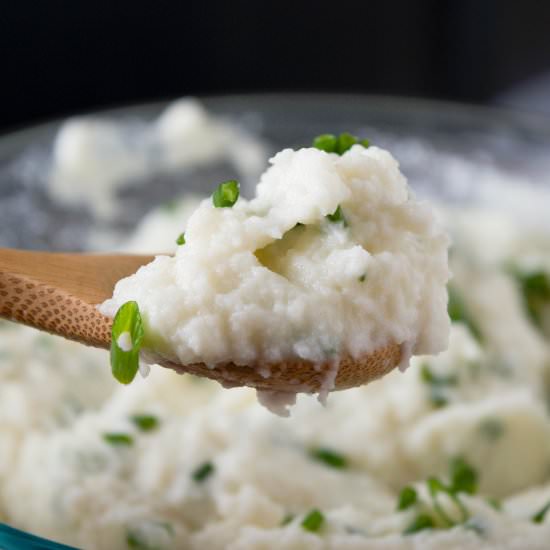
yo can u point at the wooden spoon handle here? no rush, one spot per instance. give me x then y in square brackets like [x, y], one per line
[59, 293]
[34, 303]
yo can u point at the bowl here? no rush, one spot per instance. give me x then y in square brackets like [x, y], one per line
[450, 152]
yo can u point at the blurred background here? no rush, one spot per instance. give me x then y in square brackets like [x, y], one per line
[61, 57]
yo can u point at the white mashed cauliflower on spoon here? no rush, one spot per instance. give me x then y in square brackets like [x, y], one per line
[334, 257]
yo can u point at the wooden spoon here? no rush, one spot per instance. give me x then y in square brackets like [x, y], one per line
[58, 293]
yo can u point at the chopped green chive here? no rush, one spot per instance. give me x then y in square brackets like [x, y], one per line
[345, 142]
[420, 522]
[287, 519]
[329, 457]
[494, 503]
[541, 514]
[338, 144]
[134, 541]
[137, 541]
[337, 217]
[435, 486]
[181, 239]
[491, 428]
[535, 288]
[407, 498]
[463, 480]
[202, 472]
[326, 142]
[313, 521]
[227, 194]
[126, 337]
[118, 439]
[363, 278]
[430, 377]
[437, 397]
[437, 385]
[463, 477]
[459, 313]
[145, 422]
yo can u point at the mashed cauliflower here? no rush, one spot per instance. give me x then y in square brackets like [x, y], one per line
[279, 277]
[212, 469]
[94, 158]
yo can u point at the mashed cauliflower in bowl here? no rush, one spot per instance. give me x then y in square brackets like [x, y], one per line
[452, 453]
[333, 258]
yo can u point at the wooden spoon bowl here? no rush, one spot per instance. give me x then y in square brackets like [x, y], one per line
[59, 293]
[298, 374]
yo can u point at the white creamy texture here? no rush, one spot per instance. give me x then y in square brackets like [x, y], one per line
[249, 286]
[59, 478]
[150, 236]
[93, 158]
[124, 341]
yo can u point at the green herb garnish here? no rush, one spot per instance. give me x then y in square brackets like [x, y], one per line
[181, 239]
[345, 142]
[494, 503]
[337, 217]
[135, 541]
[463, 477]
[492, 428]
[541, 514]
[326, 142]
[338, 144]
[438, 397]
[227, 194]
[463, 480]
[459, 313]
[128, 326]
[313, 521]
[437, 385]
[145, 422]
[329, 457]
[430, 377]
[202, 472]
[407, 498]
[420, 522]
[535, 288]
[287, 519]
[118, 439]
[363, 278]
[435, 486]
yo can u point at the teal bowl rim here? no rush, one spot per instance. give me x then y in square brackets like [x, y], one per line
[14, 539]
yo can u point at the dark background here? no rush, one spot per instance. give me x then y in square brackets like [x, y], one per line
[61, 57]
